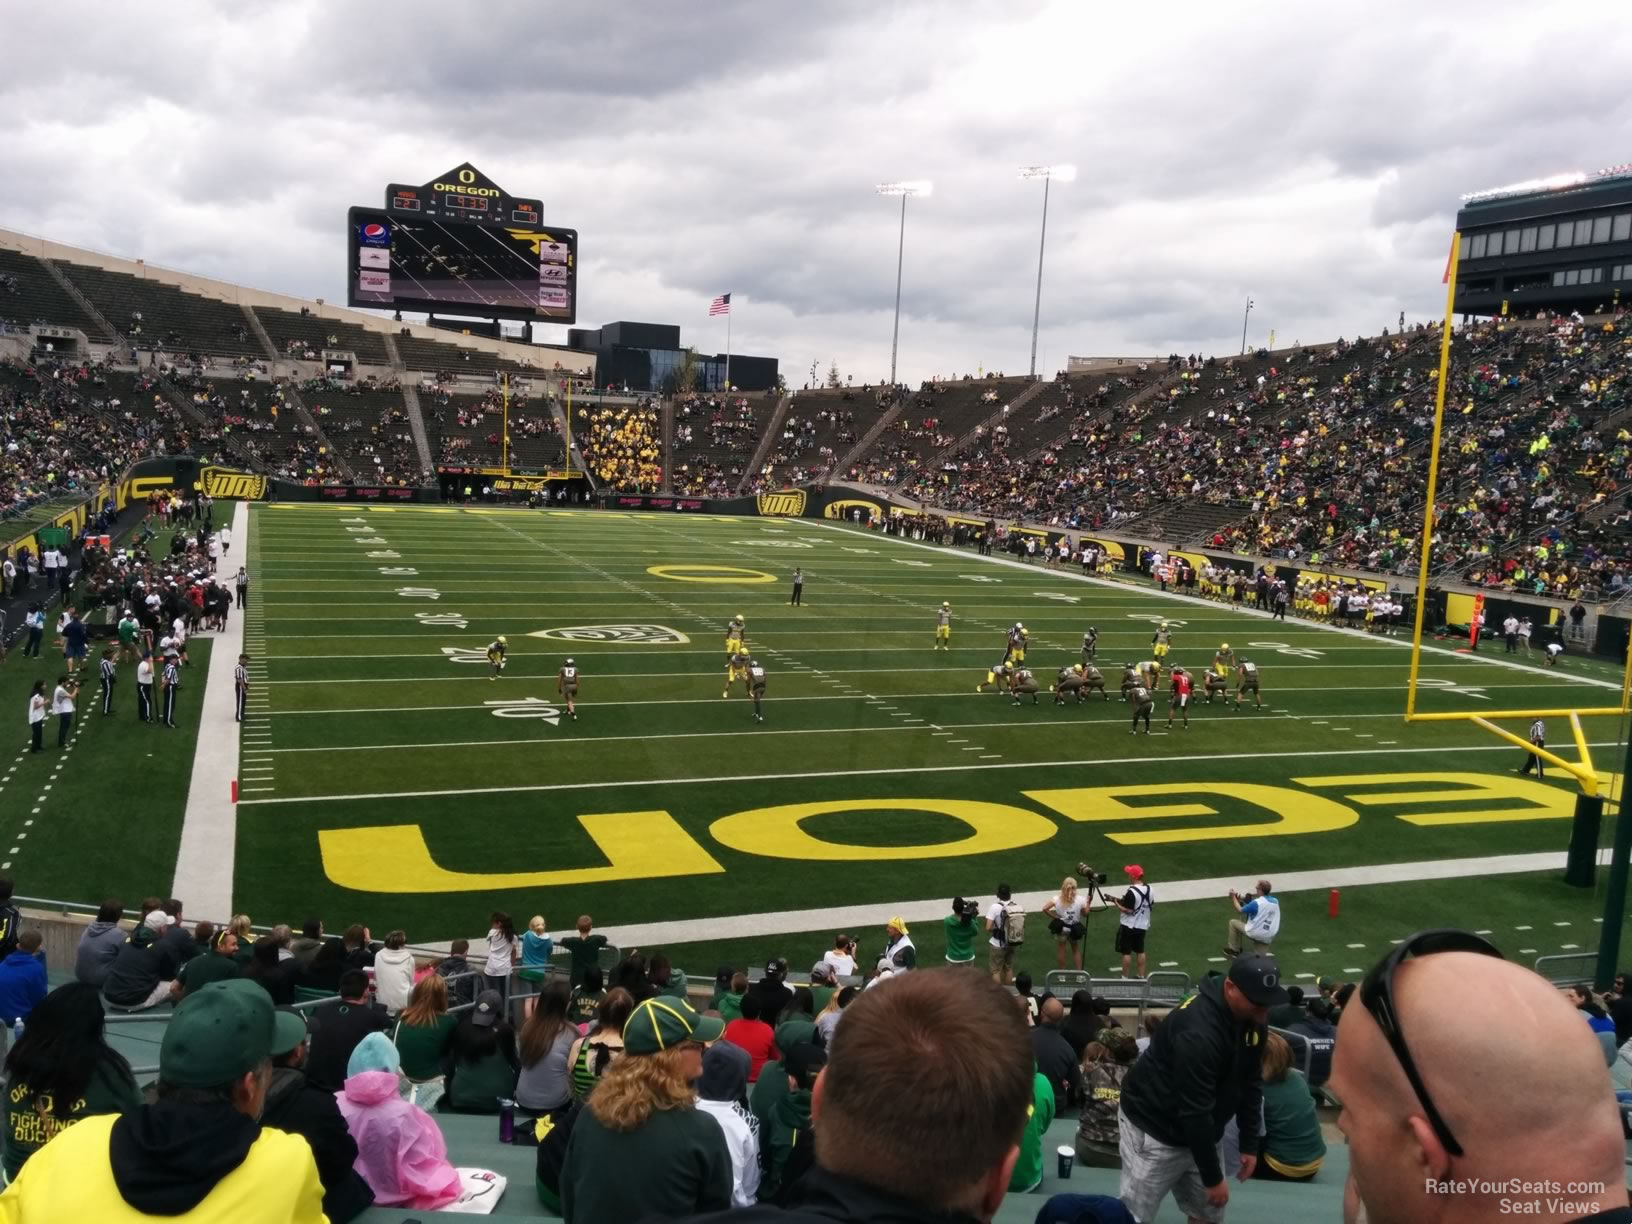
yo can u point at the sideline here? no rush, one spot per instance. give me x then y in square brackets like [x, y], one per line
[1195, 601]
[209, 831]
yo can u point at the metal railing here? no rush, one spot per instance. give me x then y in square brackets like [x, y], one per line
[1568, 968]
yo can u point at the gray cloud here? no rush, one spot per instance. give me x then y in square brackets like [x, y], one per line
[1310, 158]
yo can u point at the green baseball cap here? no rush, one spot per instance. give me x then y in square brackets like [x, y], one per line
[217, 1034]
[665, 1022]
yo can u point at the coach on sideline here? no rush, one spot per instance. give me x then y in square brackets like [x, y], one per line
[1510, 1094]
[893, 1143]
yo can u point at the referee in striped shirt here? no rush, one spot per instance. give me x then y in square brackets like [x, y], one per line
[1538, 737]
[106, 679]
[171, 682]
[240, 686]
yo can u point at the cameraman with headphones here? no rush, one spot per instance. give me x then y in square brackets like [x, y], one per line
[1134, 918]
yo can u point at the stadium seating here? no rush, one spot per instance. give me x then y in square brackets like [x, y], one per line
[30, 294]
[453, 360]
[714, 440]
[820, 427]
[369, 428]
[306, 336]
[152, 313]
[622, 444]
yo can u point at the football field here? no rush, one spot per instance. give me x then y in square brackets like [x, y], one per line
[386, 778]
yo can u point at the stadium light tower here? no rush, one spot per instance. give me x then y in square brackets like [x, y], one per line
[916, 187]
[1048, 174]
[1245, 315]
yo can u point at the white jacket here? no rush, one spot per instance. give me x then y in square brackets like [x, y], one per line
[393, 978]
[742, 1141]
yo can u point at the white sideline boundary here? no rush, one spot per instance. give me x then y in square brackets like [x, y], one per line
[1192, 601]
[209, 830]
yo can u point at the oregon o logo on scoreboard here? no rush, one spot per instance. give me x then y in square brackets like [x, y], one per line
[787, 503]
[222, 482]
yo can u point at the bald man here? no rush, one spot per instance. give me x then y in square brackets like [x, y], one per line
[1518, 1080]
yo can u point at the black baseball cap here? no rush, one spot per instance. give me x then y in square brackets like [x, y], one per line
[1259, 978]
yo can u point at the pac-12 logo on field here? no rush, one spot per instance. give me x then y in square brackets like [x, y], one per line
[220, 482]
[618, 635]
[786, 503]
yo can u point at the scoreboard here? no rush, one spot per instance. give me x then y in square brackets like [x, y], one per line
[462, 245]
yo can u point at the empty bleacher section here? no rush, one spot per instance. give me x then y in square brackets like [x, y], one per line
[934, 419]
[820, 428]
[714, 439]
[305, 336]
[456, 361]
[30, 294]
[153, 314]
[368, 425]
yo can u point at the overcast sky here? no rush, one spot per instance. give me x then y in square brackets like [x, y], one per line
[1309, 159]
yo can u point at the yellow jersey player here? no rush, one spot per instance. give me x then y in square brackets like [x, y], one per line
[756, 687]
[1143, 703]
[1022, 682]
[943, 627]
[1150, 673]
[1247, 681]
[734, 634]
[1223, 660]
[736, 668]
[496, 651]
[1017, 643]
[998, 675]
[1161, 642]
[566, 685]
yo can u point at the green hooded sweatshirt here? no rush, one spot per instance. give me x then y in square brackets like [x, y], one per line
[772, 1084]
[789, 1125]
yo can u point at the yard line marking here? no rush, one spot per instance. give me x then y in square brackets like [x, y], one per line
[995, 756]
[1361, 945]
[1522, 928]
[1565, 923]
[1311, 949]
[886, 771]
[1527, 951]
[1487, 931]
[1169, 965]
[1564, 947]
[1354, 969]
[209, 830]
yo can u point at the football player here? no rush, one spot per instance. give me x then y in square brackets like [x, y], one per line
[1247, 681]
[1130, 677]
[736, 668]
[756, 687]
[1161, 642]
[1017, 643]
[1223, 660]
[496, 651]
[1143, 704]
[1150, 673]
[1090, 645]
[998, 675]
[733, 634]
[1093, 679]
[943, 626]
[566, 685]
[1068, 680]
[1178, 698]
[1021, 681]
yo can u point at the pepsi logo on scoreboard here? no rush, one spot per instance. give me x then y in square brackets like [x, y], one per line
[373, 234]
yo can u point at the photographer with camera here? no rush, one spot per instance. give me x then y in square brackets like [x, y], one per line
[1068, 920]
[960, 931]
[1261, 913]
[1006, 928]
[1134, 918]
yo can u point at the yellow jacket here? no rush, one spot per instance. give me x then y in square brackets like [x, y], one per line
[71, 1178]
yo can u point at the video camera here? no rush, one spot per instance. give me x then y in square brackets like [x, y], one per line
[969, 908]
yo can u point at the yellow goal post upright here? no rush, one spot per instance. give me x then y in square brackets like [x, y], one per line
[1590, 803]
[1582, 770]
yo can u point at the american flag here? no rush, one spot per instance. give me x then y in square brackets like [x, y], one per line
[720, 305]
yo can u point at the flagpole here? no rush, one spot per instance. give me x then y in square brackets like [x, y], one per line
[728, 347]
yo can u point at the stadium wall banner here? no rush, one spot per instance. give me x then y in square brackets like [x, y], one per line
[182, 472]
[226, 483]
[73, 520]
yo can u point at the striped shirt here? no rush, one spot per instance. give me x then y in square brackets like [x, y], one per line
[1538, 731]
[240, 676]
[172, 675]
[107, 671]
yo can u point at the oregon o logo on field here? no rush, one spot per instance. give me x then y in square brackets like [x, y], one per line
[841, 509]
[220, 482]
[618, 635]
[709, 573]
[786, 503]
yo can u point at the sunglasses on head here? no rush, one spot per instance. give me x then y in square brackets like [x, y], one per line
[1377, 996]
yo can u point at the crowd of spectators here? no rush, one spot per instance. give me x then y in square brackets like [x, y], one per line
[621, 444]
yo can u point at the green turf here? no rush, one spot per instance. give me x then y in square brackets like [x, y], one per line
[379, 723]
